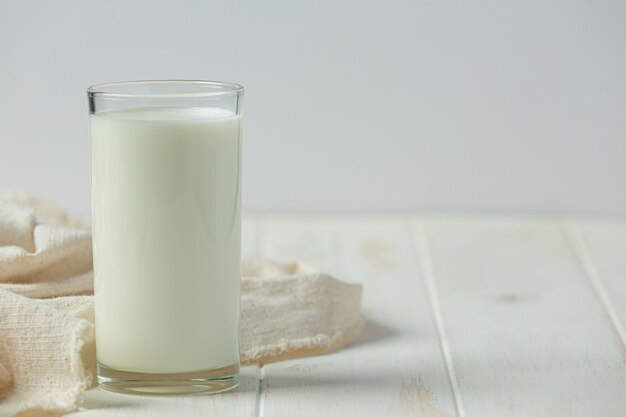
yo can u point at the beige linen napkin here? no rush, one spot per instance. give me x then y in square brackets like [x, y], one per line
[47, 347]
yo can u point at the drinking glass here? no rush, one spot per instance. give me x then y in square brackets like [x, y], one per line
[166, 211]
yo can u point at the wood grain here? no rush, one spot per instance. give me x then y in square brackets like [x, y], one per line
[527, 334]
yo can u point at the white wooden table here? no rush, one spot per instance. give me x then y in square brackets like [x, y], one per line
[466, 316]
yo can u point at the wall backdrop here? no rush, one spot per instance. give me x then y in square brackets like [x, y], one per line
[350, 105]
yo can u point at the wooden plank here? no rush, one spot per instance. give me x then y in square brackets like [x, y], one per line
[526, 333]
[600, 244]
[396, 368]
[240, 402]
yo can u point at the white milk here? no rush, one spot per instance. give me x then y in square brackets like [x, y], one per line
[166, 197]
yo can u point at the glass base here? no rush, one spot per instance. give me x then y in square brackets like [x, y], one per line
[189, 383]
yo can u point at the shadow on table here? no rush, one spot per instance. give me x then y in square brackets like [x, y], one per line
[110, 401]
[373, 332]
[302, 382]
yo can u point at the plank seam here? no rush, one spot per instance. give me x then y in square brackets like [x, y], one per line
[422, 250]
[260, 392]
[576, 241]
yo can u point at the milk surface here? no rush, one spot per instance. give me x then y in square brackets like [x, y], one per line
[166, 201]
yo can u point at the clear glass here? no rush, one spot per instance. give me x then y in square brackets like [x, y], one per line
[166, 210]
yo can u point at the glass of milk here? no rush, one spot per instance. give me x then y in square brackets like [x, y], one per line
[166, 210]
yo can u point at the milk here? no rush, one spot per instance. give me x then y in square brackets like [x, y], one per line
[166, 198]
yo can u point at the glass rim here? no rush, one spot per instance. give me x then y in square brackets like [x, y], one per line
[116, 89]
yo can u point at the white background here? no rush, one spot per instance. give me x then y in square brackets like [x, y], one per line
[350, 105]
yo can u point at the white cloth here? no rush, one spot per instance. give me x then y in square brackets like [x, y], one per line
[47, 346]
